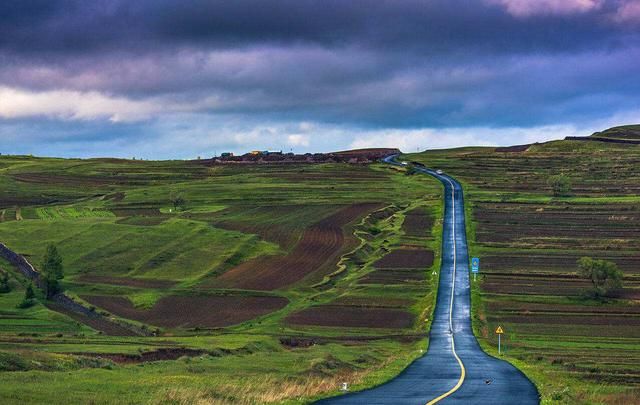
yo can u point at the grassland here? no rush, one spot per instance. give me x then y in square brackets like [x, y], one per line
[326, 307]
[577, 350]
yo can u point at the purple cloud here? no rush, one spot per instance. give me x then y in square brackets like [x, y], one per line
[360, 67]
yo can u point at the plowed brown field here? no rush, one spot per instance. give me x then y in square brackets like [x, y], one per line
[285, 229]
[417, 223]
[319, 245]
[191, 311]
[406, 259]
[351, 316]
[393, 276]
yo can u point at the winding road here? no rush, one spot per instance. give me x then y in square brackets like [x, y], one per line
[454, 370]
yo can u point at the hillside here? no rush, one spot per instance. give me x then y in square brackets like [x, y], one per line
[237, 278]
[628, 134]
[622, 132]
[301, 276]
[576, 349]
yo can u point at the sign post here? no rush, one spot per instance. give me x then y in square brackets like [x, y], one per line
[475, 267]
[499, 332]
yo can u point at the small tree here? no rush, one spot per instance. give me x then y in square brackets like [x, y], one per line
[603, 275]
[29, 297]
[29, 294]
[52, 271]
[5, 287]
[178, 202]
[561, 185]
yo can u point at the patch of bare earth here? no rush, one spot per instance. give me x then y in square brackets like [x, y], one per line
[319, 246]
[192, 311]
[406, 258]
[417, 223]
[352, 316]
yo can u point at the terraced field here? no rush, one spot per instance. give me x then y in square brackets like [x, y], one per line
[319, 245]
[304, 276]
[578, 350]
[265, 276]
[383, 277]
[192, 311]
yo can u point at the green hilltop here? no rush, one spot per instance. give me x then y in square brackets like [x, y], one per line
[629, 132]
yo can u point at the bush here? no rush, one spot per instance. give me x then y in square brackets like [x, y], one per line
[178, 202]
[374, 230]
[605, 277]
[4, 284]
[29, 299]
[26, 303]
[29, 294]
[561, 185]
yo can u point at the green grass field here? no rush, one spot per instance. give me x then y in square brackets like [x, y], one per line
[577, 350]
[183, 272]
[127, 247]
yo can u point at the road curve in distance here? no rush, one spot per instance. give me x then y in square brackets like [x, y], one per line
[454, 369]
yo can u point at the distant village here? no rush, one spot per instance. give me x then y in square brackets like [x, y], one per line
[351, 156]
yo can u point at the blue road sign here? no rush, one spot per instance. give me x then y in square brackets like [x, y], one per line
[475, 265]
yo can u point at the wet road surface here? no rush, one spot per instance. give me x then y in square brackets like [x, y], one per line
[454, 369]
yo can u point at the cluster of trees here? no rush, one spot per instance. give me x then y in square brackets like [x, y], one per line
[29, 293]
[605, 277]
[51, 274]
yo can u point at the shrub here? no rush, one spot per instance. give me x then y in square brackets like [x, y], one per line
[178, 201]
[605, 277]
[4, 284]
[561, 185]
[29, 294]
[25, 303]
[29, 299]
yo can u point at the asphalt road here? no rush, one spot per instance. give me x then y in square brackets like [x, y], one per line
[454, 369]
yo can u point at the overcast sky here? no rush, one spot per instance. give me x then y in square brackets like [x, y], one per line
[178, 79]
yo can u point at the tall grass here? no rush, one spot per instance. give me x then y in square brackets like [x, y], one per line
[263, 389]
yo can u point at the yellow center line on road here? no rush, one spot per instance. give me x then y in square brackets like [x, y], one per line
[463, 371]
[463, 374]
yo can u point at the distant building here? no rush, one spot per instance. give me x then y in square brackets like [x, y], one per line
[266, 156]
[264, 153]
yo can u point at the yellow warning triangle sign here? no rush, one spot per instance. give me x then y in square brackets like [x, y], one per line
[499, 331]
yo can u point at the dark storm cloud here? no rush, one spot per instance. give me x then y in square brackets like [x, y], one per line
[98, 67]
[434, 26]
